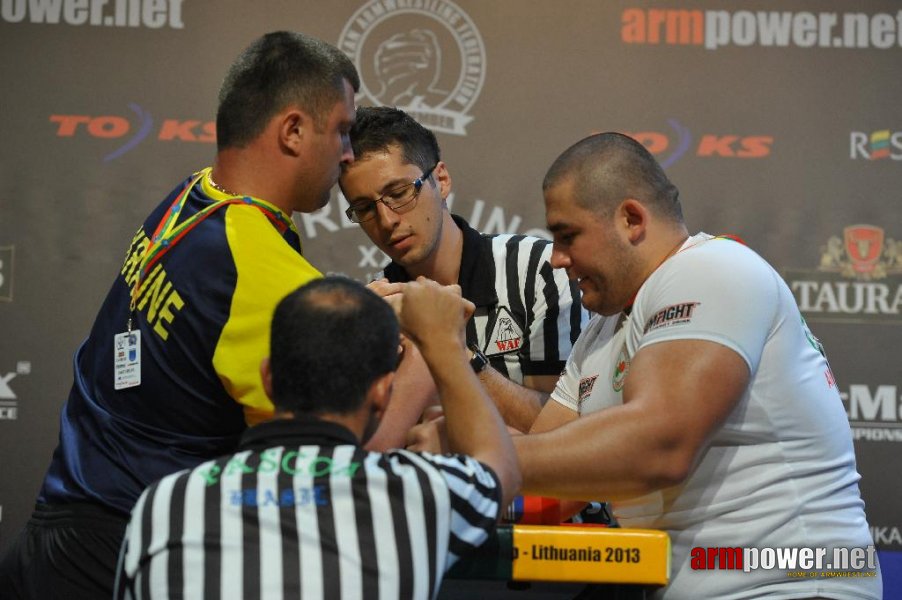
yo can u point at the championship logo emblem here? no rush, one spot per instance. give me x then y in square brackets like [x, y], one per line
[425, 57]
[506, 335]
[621, 368]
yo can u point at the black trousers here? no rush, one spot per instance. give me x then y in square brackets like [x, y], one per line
[66, 552]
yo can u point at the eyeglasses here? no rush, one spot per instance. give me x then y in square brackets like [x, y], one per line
[399, 199]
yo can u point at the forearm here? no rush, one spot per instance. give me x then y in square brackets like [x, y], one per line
[518, 405]
[617, 453]
[473, 424]
[677, 396]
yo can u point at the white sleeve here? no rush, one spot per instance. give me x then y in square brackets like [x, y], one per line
[721, 292]
[566, 391]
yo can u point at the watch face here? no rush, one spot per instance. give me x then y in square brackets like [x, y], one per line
[479, 361]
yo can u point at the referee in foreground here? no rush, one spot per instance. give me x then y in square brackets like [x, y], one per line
[301, 510]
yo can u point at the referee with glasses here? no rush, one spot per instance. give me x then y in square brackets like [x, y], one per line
[527, 314]
[301, 510]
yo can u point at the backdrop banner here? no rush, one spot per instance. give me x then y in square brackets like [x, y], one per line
[779, 124]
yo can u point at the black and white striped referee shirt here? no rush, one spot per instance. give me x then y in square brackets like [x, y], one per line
[528, 315]
[301, 511]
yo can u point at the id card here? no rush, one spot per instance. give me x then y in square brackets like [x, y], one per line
[127, 359]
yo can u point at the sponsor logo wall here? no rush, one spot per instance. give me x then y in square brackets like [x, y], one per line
[799, 155]
[9, 401]
[858, 279]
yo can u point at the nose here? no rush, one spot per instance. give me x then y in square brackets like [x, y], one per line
[347, 152]
[386, 216]
[559, 258]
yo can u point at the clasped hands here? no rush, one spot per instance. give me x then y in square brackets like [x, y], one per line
[434, 317]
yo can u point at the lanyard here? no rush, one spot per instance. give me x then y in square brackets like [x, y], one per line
[168, 234]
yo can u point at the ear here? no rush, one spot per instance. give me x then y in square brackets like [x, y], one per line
[380, 393]
[633, 216]
[294, 125]
[266, 376]
[442, 179]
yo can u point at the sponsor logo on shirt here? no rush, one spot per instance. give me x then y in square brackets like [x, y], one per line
[506, 336]
[676, 314]
[585, 389]
[621, 368]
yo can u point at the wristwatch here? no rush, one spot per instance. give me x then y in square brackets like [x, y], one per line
[479, 360]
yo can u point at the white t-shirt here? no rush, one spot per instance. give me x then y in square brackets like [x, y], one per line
[780, 472]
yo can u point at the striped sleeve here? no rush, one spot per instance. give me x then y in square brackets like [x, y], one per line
[551, 303]
[143, 565]
[475, 494]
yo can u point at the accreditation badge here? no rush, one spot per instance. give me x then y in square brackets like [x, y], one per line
[127, 359]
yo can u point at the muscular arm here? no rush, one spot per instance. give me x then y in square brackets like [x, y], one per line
[552, 328]
[676, 395]
[519, 405]
[434, 319]
[413, 389]
[553, 415]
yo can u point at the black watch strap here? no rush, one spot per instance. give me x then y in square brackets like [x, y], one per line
[479, 361]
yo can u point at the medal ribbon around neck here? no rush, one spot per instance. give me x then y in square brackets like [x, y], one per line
[168, 234]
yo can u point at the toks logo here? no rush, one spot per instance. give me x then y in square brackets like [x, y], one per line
[115, 127]
[875, 146]
[425, 57]
[859, 279]
[670, 148]
[875, 414]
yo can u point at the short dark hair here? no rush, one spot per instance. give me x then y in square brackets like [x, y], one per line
[377, 128]
[276, 70]
[610, 167]
[330, 340]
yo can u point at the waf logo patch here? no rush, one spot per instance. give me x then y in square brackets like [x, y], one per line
[621, 368]
[506, 336]
[672, 315]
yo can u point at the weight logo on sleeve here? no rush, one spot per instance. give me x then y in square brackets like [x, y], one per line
[585, 390]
